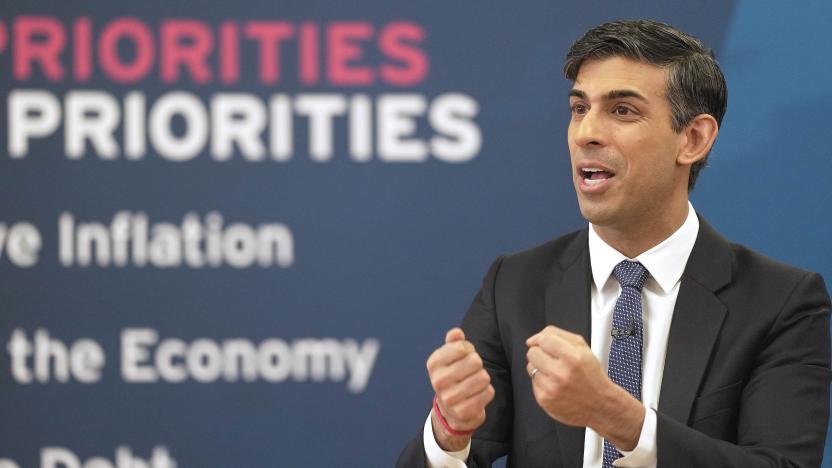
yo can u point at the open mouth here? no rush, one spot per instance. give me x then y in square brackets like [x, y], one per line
[595, 176]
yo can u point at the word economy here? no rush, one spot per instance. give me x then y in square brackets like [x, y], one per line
[146, 358]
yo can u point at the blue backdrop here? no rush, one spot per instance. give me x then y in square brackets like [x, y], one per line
[294, 331]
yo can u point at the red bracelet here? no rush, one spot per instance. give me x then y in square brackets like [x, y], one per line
[445, 423]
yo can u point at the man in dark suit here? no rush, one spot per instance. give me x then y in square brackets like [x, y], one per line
[646, 339]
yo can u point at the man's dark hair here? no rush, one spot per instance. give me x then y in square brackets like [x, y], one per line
[695, 83]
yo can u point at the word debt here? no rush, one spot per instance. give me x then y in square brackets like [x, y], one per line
[60, 457]
[339, 53]
[130, 239]
[146, 358]
[178, 126]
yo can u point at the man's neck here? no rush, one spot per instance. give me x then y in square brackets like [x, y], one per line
[634, 239]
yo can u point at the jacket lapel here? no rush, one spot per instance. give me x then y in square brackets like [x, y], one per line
[697, 320]
[567, 306]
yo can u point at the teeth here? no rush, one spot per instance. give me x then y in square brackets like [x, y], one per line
[594, 181]
[592, 169]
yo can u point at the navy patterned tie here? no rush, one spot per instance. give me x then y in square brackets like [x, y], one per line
[625, 350]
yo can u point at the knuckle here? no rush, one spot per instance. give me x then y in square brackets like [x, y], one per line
[482, 399]
[463, 409]
[479, 381]
[575, 367]
[437, 387]
[468, 346]
[490, 392]
[469, 359]
[480, 419]
[450, 399]
[487, 400]
[453, 400]
[439, 382]
[434, 377]
[455, 412]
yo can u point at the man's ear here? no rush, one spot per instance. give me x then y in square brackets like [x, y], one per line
[700, 134]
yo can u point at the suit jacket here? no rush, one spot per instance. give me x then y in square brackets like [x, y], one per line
[747, 371]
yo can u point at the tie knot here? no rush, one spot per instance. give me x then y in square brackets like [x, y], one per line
[631, 274]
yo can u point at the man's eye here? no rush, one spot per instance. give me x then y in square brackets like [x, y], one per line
[622, 111]
[579, 109]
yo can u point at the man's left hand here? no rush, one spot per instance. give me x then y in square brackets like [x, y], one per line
[572, 387]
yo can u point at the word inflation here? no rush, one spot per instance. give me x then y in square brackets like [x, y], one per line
[131, 239]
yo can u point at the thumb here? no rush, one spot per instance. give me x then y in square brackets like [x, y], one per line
[454, 334]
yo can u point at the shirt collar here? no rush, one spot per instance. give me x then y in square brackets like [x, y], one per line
[665, 262]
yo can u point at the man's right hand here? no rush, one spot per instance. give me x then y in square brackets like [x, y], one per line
[463, 389]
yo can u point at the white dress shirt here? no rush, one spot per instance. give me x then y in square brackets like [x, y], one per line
[666, 263]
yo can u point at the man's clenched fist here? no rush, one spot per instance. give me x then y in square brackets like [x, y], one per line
[570, 385]
[463, 389]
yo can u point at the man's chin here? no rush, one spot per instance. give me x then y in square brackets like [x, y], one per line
[596, 213]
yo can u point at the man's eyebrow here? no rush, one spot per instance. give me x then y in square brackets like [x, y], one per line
[625, 93]
[614, 94]
[577, 93]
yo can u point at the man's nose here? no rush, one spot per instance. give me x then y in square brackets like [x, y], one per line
[589, 130]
